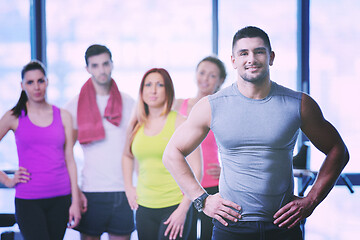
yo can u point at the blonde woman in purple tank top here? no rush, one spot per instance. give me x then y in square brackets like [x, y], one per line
[210, 75]
[46, 195]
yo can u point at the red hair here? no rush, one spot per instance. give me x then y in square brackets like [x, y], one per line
[142, 109]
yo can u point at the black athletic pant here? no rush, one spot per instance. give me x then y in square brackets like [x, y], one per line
[44, 219]
[150, 223]
[206, 225]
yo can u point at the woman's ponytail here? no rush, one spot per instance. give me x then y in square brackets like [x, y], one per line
[20, 105]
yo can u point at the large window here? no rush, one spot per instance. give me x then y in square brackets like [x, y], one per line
[141, 34]
[334, 84]
[334, 71]
[14, 54]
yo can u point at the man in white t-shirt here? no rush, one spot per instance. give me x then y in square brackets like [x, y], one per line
[100, 117]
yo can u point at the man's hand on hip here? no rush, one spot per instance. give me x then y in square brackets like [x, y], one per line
[221, 209]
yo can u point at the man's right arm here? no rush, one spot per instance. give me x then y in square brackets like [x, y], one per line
[186, 139]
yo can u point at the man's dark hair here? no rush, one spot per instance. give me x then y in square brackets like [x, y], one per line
[94, 50]
[251, 32]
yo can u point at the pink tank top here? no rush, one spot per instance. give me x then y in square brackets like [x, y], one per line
[41, 152]
[209, 152]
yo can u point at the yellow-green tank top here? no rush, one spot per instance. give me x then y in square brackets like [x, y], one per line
[156, 188]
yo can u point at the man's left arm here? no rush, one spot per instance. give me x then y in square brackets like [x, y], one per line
[326, 138]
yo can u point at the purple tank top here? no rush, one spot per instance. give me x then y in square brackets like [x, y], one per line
[41, 152]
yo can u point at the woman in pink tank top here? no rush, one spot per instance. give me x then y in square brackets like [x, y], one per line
[210, 75]
[46, 191]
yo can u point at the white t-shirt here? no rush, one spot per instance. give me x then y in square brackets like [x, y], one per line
[102, 170]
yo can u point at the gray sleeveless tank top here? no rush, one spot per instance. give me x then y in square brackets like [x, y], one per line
[256, 139]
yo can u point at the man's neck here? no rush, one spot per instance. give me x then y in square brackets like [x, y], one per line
[254, 90]
[102, 90]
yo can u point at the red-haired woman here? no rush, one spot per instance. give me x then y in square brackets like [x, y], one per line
[161, 206]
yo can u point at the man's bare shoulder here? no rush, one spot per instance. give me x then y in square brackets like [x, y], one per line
[202, 103]
[201, 112]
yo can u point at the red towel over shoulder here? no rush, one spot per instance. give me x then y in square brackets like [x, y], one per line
[90, 127]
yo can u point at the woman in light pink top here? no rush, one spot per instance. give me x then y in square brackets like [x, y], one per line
[46, 191]
[210, 75]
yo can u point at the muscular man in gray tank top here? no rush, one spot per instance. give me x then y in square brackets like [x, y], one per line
[256, 138]
[256, 124]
